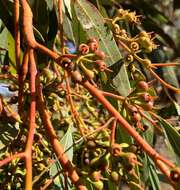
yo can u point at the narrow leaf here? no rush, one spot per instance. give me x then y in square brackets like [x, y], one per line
[67, 4]
[67, 142]
[172, 134]
[153, 177]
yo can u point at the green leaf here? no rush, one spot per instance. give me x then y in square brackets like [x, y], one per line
[172, 140]
[67, 4]
[78, 32]
[67, 142]
[149, 133]
[111, 185]
[177, 107]
[172, 135]
[169, 76]
[101, 9]
[7, 133]
[145, 171]
[40, 16]
[153, 177]
[68, 30]
[6, 9]
[55, 168]
[122, 136]
[49, 4]
[94, 25]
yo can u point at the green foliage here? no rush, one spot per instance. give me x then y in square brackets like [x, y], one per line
[95, 152]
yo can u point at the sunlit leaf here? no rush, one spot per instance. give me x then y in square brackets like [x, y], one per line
[67, 4]
[172, 134]
[67, 142]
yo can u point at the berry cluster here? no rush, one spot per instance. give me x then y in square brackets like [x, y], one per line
[88, 61]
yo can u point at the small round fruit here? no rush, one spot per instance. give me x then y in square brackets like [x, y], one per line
[133, 148]
[93, 46]
[86, 161]
[100, 54]
[175, 174]
[65, 62]
[143, 85]
[115, 176]
[13, 87]
[76, 76]
[136, 117]
[96, 175]
[84, 49]
[98, 185]
[91, 144]
[101, 64]
[130, 58]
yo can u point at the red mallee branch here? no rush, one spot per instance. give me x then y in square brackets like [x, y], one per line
[32, 124]
[17, 33]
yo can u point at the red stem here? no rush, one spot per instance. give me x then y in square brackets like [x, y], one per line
[10, 158]
[32, 124]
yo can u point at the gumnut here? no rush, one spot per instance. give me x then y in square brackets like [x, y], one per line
[143, 85]
[175, 174]
[84, 49]
[96, 176]
[100, 54]
[130, 158]
[93, 44]
[66, 63]
[76, 76]
[115, 176]
[91, 144]
[101, 64]
[116, 150]
[99, 185]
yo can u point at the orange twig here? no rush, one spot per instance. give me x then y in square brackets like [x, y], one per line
[177, 90]
[165, 64]
[10, 158]
[32, 117]
[17, 34]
